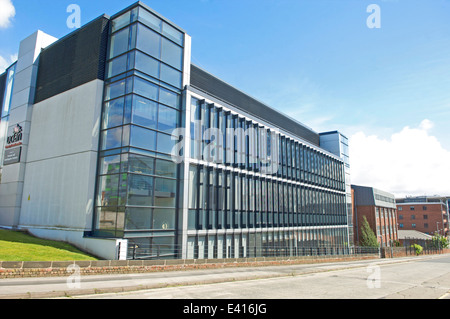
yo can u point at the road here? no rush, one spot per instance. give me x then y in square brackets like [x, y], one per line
[421, 279]
[425, 277]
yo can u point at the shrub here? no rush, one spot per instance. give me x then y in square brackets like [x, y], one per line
[418, 249]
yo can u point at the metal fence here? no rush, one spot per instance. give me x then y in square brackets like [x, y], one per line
[429, 246]
[143, 251]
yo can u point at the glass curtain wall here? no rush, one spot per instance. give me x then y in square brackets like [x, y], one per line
[306, 195]
[137, 180]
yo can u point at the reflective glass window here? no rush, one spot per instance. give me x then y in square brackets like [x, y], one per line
[140, 190]
[147, 64]
[116, 89]
[169, 98]
[120, 22]
[172, 33]
[145, 88]
[142, 138]
[108, 189]
[119, 42]
[112, 138]
[140, 164]
[163, 218]
[144, 112]
[138, 218]
[165, 143]
[113, 113]
[110, 165]
[165, 192]
[150, 20]
[167, 119]
[170, 76]
[149, 41]
[165, 168]
[172, 54]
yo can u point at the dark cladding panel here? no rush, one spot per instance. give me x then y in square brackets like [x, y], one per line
[74, 60]
[211, 85]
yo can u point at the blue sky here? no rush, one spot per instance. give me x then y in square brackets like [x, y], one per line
[317, 61]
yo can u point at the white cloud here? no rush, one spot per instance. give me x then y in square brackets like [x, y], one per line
[7, 12]
[411, 162]
[6, 62]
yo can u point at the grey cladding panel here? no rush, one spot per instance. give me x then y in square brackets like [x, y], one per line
[74, 60]
[213, 86]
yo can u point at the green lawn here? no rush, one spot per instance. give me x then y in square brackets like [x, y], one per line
[19, 246]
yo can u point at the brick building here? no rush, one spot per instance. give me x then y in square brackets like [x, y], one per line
[380, 210]
[425, 214]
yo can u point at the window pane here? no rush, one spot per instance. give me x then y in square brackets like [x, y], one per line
[108, 190]
[144, 112]
[112, 138]
[113, 113]
[172, 54]
[110, 165]
[106, 221]
[169, 98]
[119, 42]
[138, 218]
[149, 41]
[145, 88]
[114, 90]
[140, 190]
[121, 21]
[147, 64]
[150, 20]
[167, 119]
[163, 219]
[140, 164]
[143, 138]
[165, 168]
[170, 75]
[165, 143]
[165, 192]
[117, 66]
[172, 33]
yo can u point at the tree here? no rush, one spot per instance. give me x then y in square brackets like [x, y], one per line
[439, 241]
[368, 237]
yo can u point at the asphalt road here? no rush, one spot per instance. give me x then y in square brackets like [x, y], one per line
[419, 279]
[400, 278]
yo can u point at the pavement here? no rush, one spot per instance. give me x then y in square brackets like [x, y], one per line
[76, 285]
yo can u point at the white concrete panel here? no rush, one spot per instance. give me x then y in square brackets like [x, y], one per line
[59, 192]
[12, 173]
[67, 123]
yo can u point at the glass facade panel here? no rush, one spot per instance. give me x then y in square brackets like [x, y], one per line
[144, 112]
[142, 138]
[172, 54]
[148, 41]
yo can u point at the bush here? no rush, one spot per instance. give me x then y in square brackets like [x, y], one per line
[418, 249]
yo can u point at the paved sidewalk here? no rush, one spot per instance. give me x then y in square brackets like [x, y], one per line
[73, 285]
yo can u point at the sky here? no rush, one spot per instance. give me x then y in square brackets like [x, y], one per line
[386, 88]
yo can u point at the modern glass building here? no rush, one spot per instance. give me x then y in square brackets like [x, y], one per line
[152, 153]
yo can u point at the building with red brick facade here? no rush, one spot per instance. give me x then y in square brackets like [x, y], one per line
[380, 211]
[428, 215]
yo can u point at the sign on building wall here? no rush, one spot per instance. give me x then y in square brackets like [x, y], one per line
[12, 151]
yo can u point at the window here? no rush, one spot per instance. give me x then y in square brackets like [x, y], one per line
[400, 216]
[169, 98]
[425, 225]
[147, 64]
[119, 42]
[143, 138]
[172, 54]
[425, 216]
[145, 88]
[170, 76]
[149, 41]
[411, 208]
[113, 113]
[144, 112]
[167, 119]
[424, 207]
[400, 208]
[400, 225]
[413, 216]
[413, 225]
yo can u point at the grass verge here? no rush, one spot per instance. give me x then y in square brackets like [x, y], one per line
[20, 246]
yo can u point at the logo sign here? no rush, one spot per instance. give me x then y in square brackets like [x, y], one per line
[15, 138]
